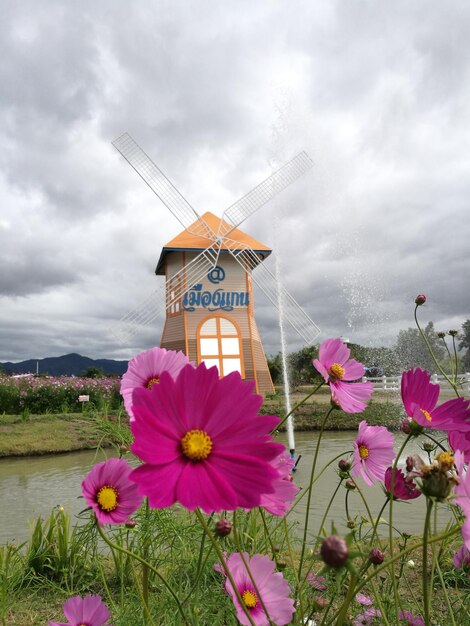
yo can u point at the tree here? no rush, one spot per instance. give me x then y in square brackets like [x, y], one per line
[412, 351]
[465, 343]
[93, 372]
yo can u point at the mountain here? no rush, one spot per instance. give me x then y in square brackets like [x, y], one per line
[67, 365]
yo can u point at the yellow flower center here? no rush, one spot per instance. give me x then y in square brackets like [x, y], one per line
[196, 445]
[445, 460]
[107, 498]
[152, 381]
[337, 371]
[363, 452]
[249, 598]
[426, 415]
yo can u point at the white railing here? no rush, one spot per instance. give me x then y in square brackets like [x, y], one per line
[393, 383]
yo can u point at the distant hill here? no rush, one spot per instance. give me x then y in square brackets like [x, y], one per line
[67, 365]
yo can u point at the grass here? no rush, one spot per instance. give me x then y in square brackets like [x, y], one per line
[46, 434]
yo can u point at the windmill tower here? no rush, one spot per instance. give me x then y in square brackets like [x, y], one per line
[210, 267]
[214, 321]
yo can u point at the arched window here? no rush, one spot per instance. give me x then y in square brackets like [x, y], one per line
[219, 343]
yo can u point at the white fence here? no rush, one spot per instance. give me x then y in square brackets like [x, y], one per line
[393, 383]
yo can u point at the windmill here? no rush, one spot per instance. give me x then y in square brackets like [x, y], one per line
[201, 317]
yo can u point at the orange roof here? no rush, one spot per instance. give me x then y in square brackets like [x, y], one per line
[186, 241]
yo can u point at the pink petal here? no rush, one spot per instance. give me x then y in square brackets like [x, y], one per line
[333, 351]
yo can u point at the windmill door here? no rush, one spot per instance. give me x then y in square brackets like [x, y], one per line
[219, 343]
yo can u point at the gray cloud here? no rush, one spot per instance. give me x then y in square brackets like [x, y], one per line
[218, 95]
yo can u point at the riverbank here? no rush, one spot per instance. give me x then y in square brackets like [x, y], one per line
[59, 433]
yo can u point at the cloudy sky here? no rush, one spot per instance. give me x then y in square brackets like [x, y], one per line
[219, 94]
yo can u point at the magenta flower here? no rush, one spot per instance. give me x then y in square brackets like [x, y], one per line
[87, 611]
[461, 559]
[420, 397]
[317, 582]
[460, 441]
[278, 502]
[373, 452]
[202, 442]
[272, 587]
[403, 488]
[339, 371]
[410, 619]
[145, 370]
[462, 491]
[108, 490]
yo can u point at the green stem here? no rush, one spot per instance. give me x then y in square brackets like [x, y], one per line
[390, 517]
[216, 546]
[376, 524]
[145, 569]
[309, 497]
[446, 595]
[299, 404]
[426, 595]
[142, 560]
[426, 341]
[347, 601]
[242, 556]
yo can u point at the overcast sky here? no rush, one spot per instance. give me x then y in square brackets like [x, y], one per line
[219, 94]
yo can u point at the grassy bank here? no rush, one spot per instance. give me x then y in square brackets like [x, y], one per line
[46, 434]
[54, 433]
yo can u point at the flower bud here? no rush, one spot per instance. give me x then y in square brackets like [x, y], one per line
[441, 334]
[344, 465]
[376, 556]
[428, 446]
[420, 299]
[334, 551]
[410, 564]
[453, 333]
[350, 484]
[131, 523]
[436, 483]
[351, 524]
[223, 527]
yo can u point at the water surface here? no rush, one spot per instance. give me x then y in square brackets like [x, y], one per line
[32, 486]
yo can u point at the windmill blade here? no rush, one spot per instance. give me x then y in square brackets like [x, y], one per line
[257, 197]
[162, 187]
[162, 298]
[293, 312]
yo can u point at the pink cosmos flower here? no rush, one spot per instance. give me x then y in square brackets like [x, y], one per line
[272, 587]
[202, 442]
[317, 582]
[145, 370]
[339, 370]
[420, 397]
[87, 611]
[403, 488]
[363, 599]
[278, 502]
[109, 491]
[461, 558]
[373, 452]
[367, 618]
[462, 490]
[460, 441]
[410, 619]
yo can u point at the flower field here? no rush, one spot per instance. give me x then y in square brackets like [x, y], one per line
[47, 394]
